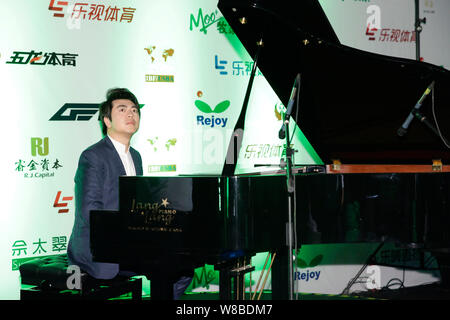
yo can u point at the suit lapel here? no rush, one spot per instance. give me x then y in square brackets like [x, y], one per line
[137, 161]
[134, 155]
[115, 156]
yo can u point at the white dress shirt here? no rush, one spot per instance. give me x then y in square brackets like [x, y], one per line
[125, 156]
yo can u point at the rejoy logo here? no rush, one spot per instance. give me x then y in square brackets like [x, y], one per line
[211, 121]
[39, 146]
[308, 274]
[75, 112]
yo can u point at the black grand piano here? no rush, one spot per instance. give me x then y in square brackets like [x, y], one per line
[380, 180]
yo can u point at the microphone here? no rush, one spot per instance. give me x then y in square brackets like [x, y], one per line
[402, 130]
[282, 132]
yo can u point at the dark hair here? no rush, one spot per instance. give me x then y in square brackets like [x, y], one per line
[106, 106]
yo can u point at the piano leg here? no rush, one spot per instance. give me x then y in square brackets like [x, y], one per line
[161, 286]
[165, 272]
[443, 259]
[224, 279]
[225, 285]
[280, 275]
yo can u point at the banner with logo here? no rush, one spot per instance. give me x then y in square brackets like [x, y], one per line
[189, 72]
[388, 27]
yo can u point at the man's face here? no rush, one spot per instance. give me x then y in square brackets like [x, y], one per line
[124, 118]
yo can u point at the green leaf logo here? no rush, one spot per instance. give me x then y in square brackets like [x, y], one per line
[314, 262]
[204, 107]
[222, 106]
[301, 263]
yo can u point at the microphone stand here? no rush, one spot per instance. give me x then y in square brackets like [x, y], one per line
[418, 28]
[290, 192]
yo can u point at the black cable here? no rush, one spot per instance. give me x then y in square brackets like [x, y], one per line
[389, 284]
[435, 119]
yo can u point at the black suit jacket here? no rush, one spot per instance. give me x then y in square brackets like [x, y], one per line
[96, 188]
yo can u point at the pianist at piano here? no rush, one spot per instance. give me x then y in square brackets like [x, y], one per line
[396, 181]
[97, 181]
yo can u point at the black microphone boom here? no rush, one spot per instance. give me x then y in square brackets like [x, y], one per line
[402, 130]
[282, 132]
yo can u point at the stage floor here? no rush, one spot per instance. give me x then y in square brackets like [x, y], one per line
[432, 291]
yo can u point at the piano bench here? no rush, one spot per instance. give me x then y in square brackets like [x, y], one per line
[48, 278]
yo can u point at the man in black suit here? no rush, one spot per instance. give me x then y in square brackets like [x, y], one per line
[97, 180]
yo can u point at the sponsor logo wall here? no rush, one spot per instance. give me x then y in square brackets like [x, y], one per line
[189, 72]
[387, 27]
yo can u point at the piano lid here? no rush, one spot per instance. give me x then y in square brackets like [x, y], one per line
[352, 102]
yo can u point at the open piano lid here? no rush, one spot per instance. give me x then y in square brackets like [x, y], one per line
[352, 102]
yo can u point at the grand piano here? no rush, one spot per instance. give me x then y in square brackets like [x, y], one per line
[382, 178]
